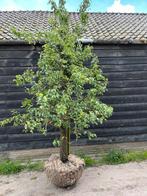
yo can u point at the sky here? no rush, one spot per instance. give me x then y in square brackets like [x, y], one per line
[129, 6]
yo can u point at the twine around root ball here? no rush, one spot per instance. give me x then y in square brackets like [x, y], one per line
[64, 174]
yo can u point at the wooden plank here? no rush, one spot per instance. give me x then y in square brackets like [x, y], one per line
[31, 137]
[10, 88]
[132, 47]
[127, 83]
[27, 145]
[120, 131]
[4, 113]
[130, 106]
[12, 104]
[12, 71]
[126, 91]
[134, 75]
[18, 54]
[112, 139]
[10, 129]
[3, 138]
[17, 62]
[13, 96]
[3, 147]
[123, 68]
[122, 60]
[125, 99]
[120, 47]
[17, 47]
[129, 114]
[116, 123]
[120, 53]
[105, 47]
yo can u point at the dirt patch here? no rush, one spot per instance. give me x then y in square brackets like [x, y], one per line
[123, 180]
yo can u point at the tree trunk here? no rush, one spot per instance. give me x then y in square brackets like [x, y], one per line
[64, 144]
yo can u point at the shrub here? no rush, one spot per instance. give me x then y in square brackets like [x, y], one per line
[114, 157]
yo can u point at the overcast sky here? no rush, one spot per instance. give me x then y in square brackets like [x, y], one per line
[72, 5]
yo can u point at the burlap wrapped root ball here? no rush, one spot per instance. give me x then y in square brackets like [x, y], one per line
[64, 174]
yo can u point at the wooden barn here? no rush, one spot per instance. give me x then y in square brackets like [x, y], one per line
[119, 40]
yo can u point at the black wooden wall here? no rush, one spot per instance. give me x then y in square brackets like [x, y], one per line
[126, 68]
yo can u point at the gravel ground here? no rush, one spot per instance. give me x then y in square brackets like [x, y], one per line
[121, 180]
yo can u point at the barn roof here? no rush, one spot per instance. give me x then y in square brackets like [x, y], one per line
[102, 27]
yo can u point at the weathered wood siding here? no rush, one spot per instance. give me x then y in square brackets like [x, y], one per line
[126, 68]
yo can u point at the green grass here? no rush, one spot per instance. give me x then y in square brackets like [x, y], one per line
[89, 161]
[13, 167]
[136, 156]
[10, 167]
[113, 157]
[120, 156]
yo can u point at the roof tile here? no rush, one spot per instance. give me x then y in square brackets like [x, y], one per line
[101, 26]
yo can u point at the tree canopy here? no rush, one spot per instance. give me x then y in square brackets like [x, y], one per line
[64, 91]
